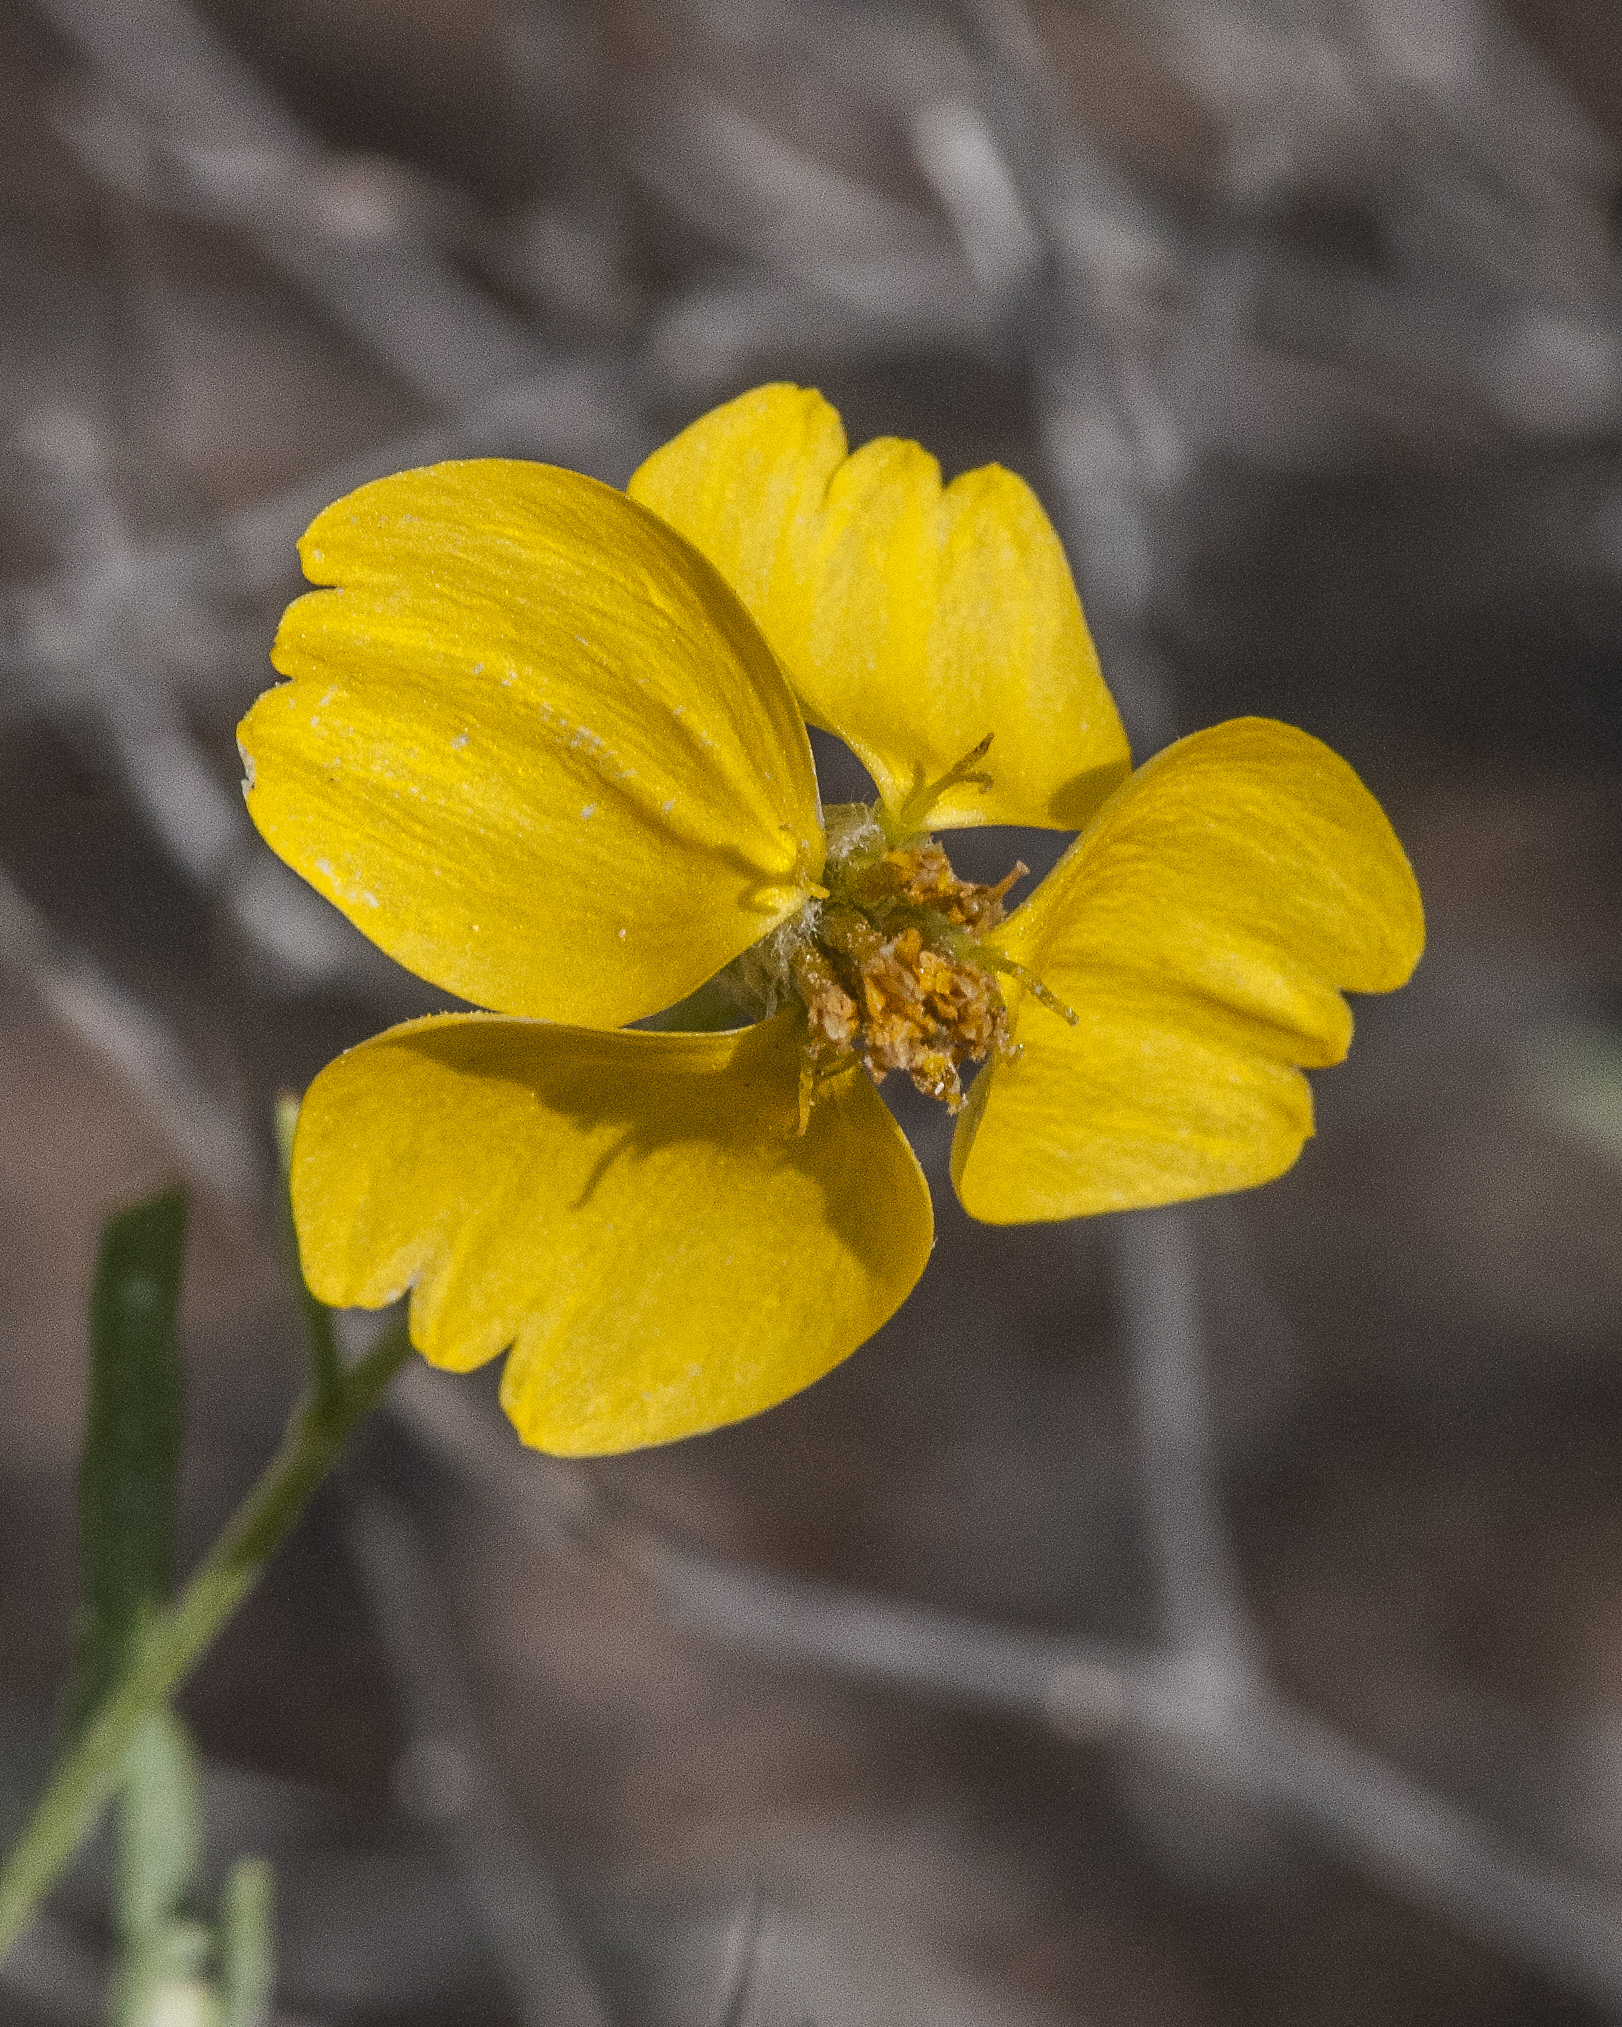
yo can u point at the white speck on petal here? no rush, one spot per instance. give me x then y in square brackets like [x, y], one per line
[459, 742]
[622, 932]
[344, 890]
[478, 668]
[588, 809]
[666, 807]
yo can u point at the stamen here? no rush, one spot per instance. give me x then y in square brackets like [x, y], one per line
[888, 961]
[832, 1010]
[918, 882]
[808, 1092]
[814, 1076]
[997, 960]
[913, 815]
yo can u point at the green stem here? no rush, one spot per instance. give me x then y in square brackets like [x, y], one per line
[174, 1641]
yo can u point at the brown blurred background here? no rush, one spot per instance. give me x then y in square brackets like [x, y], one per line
[1194, 1618]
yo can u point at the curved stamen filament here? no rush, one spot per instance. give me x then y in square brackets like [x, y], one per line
[997, 960]
[913, 815]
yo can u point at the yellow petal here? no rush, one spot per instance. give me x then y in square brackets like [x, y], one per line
[1201, 930]
[633, 1213]
[912, 621]
[533, 746]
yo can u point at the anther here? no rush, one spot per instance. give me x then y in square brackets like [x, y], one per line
[889, 966]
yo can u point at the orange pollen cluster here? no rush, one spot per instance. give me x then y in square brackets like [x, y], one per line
[892, 974]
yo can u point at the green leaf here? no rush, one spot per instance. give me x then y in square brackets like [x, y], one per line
[247, 1944]
[160, 1842]
[132, 1440]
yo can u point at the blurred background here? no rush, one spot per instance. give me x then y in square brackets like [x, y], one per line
[1199, 1617]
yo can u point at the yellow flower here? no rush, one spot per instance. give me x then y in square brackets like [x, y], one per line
[543, 743]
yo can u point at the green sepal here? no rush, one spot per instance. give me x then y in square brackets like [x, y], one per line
[709, 1011]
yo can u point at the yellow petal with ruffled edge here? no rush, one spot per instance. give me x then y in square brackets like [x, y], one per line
[1201, 930]
[912, 621]
[634, 1213]
[533, 746]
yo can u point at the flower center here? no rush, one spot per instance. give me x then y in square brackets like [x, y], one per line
[889, 967]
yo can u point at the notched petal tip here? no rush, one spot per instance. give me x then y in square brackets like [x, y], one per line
[909, 616]
[503, 652]
[633, 1213]
[1204, 930]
